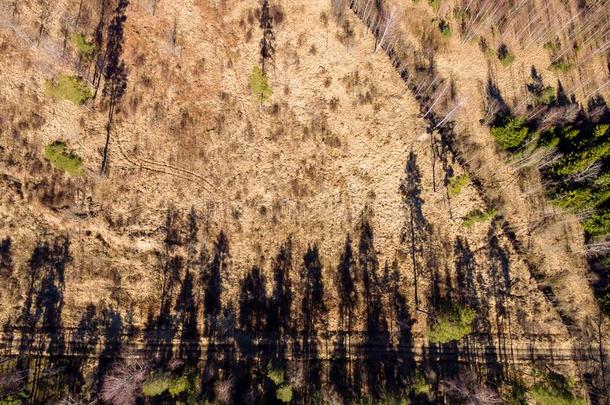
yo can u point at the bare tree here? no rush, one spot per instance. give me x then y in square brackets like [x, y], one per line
[120, 386]
[465, 389]
[390, 22]
[267, 50]
[43, 18]
[224, 391]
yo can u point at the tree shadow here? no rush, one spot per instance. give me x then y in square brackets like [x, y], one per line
[498, 111]
[313, 310]
[186, 314]
[112, 326]
[279, 322]
[6, 257]
[415, 228]
[341, 367]
[211, 279]
[84, 341]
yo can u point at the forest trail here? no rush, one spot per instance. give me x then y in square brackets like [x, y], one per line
[477, 348]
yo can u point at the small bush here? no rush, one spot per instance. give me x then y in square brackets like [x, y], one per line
[476, 216]
[546, 95]
[576, 162]
[284, 393]
[156, 385]
[276, 375]
[561, 66]
[511, 135]
[582, 199]
[445, 28]
[420, 386]
[598, 223]
[63, 159]
[86, 49]
[71, 88]
[457, 183]
[178, 385]
[555, 390]
[505, 56]
[452, 323]
[436, 4]
[260, 85]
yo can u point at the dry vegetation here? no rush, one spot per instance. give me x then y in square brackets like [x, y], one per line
[242, 190]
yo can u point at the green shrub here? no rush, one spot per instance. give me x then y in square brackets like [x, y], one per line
[511, 135]
[276, 375]
[476, 216]
[260, 85]
[178, 385]
[578, 161]
[582, 199]
[600, 130]
[420, 386]
[445, 28]
[602, 181]
[555, 390]
[86, 49]
[550, 46]
[63, 159]
[505, 56]
[436, 4]
[561, 66]
[71, 88]
[284, 393]
[546, 95]
[489, 53]
[457, 183]
[598, 223]
[156, 385]
[452, 323]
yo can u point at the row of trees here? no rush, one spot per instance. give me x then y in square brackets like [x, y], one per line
[570, 146]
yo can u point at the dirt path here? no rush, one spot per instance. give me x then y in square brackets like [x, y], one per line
[480, 349]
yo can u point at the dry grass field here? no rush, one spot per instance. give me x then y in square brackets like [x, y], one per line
[151, 188]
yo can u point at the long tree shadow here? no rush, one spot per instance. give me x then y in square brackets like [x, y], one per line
[415, 229]
[83, 343]
[40, 320]
[377, 337]
[186, 313]
[279, 324]
[340, 370]
[314, 312]
[115, 74]
[6, 257]
[112, 326]
[211, 276]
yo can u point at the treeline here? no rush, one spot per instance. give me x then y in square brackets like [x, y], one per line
[570, 146]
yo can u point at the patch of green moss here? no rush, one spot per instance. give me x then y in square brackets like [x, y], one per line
[63, 159]
[71, 88]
